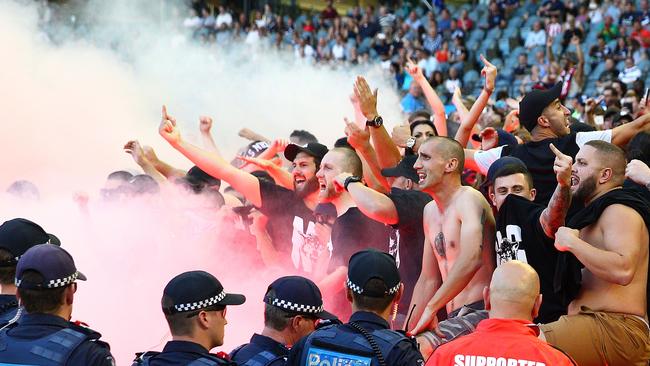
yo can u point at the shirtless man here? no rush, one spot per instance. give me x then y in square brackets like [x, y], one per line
[458, 257]
[607, 322]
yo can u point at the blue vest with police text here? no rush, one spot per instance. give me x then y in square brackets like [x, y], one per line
[333, 346]
[53, 350]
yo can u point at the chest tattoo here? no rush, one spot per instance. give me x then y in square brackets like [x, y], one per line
[439, 245]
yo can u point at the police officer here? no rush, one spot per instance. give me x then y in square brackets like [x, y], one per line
[46, 278]
[194, 304]
[16, 236]
[293, 305]
[373, 287]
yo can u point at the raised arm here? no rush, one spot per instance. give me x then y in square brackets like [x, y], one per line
[476, 220]
[622, 134]
[437, 107]
[373, 204]
[251, 135]
[553, 216]
[276, 147]
[205, 125]
[457, 101]
[467, 124]
[134, 149]
[211, 162]
[388, 154]
[165, 169]
[281, 177]
[360, 140]
[580, 67]
[616, 263]
[549, 49]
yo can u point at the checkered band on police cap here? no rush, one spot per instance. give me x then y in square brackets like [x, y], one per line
[359, 290]
[200, 304]
[299, 308]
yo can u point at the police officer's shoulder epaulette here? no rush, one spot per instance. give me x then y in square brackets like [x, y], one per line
[223, 359]
[327, 323]
[92, 335]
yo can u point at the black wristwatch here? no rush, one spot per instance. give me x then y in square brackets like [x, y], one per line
[350, 179]
[375, 122]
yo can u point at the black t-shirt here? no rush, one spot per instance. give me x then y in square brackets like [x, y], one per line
[642, 191]
[539, 159]
[353, 231]
[292, 225]
[407, 239]
[520, 236]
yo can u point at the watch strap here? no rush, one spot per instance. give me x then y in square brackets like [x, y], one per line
[350, 179]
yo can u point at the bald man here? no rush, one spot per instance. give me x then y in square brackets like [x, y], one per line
[607, 322]
[458, 257]
[508, 337]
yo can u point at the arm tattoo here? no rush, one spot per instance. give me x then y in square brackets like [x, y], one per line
[554, 215]
[439, 245]
[483, 219]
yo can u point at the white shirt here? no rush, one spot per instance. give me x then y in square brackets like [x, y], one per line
[630, 75]
[224, 18]
[193, 22]
[536, 39]
[338, 51]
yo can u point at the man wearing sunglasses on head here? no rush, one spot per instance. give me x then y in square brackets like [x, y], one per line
[194, 304]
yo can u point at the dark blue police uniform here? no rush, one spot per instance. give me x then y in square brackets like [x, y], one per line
[44, 340]
[182, 353]
[8, 309]
[334, 341]
[262, 351]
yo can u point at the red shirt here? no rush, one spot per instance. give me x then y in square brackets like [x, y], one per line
[507, 342]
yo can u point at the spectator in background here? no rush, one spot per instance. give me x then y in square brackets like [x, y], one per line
[554, 28]
[613, 10]
[630, 15]
[640, 34]
[536, 37]
[630, 73]
[444, 23]
[608, 29]
[453, 81]
[413, 21]
[329, 12]
[609, 74]
[412, 101]
[550, 8]
[599, 51]
[495, 16]
[464, 22]
[224, 19]
[523, 68]
[433, 40]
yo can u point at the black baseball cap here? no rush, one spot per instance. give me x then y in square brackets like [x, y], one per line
[534, 103]
[18, 235]
[52, 262]
[196, 290]
[298, 295]
[314, 149]
[371, 263]
[403, 169]
[504, 162]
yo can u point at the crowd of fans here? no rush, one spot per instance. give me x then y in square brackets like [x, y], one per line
[527, 203]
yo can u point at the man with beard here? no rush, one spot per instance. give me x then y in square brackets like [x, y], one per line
[352, 230]
[607, 321]
[459, 234]
[547, 120]
[292, 211]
